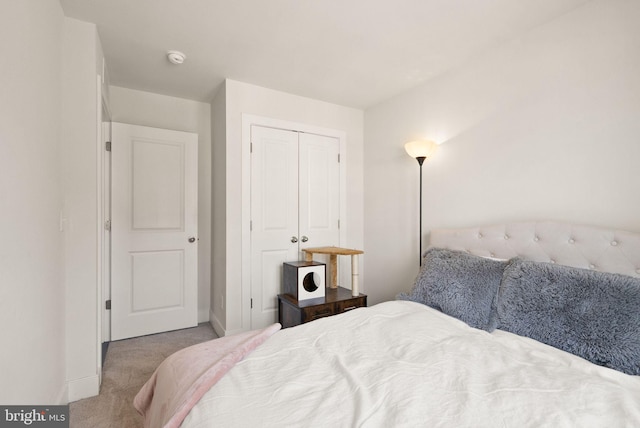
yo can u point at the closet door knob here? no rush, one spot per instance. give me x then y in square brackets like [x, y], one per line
[294, 239]
[192, 239]
[305, 239]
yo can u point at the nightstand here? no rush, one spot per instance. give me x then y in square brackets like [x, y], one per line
[292, 312]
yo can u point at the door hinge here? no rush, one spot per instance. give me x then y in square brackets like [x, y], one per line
[250, 225]
[107, 146]
[338, 223]
[250, 147]
[107, 304]
[107, 225]
[252, 303]
[338, 157]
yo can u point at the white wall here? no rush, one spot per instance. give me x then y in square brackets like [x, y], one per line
[219, 213]
[160, 111]
[32, 294]
[545, 127]
[250, 99]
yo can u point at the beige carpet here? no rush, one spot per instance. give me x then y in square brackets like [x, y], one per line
[128, 365]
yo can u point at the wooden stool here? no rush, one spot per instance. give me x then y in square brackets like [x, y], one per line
[333, 253]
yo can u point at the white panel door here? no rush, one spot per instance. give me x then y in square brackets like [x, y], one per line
[295, 199]
[274, 217]
[154, 230]
[319, 184]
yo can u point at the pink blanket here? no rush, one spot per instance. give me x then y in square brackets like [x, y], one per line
[184, 377]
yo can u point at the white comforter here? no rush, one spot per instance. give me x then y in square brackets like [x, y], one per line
[402, 364]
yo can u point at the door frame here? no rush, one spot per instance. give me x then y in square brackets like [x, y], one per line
[103, 189]
[247, 121]
[103, 230]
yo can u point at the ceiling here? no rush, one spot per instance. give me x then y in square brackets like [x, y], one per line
[350, 52]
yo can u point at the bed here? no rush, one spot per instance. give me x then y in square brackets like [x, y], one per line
[517, 325]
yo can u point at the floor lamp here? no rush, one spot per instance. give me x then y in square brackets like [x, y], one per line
[420, 150]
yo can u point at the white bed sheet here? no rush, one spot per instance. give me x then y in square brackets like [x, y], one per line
[402, 364]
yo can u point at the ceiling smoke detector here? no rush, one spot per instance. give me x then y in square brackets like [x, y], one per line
[176, 57]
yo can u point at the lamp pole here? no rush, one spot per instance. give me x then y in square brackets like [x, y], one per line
[420, 150]
[420, 160]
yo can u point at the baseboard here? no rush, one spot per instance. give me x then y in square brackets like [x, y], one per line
[216, 324]
[83, 388]
[217, 327]
[63, 395]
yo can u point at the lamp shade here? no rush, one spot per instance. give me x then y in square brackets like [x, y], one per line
[421, 148]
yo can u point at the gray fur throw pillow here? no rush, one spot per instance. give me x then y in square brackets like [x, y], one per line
[459, 284]
[594, 315]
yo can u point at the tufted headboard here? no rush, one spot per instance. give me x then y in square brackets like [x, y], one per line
[586, 247]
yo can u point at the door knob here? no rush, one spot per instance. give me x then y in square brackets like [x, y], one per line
[294, 239]
[192, 239]
[305, 239]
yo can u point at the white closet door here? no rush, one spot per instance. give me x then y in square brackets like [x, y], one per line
[154, 230]
[274, 217]
[319, 191]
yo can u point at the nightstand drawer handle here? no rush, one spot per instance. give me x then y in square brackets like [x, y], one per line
[349, 308]
[321, 314]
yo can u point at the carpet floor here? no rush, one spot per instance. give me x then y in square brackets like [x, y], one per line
[128, 365]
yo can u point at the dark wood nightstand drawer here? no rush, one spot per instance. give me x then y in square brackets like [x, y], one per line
[292, 312]
[347, 305]
[315, 312]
